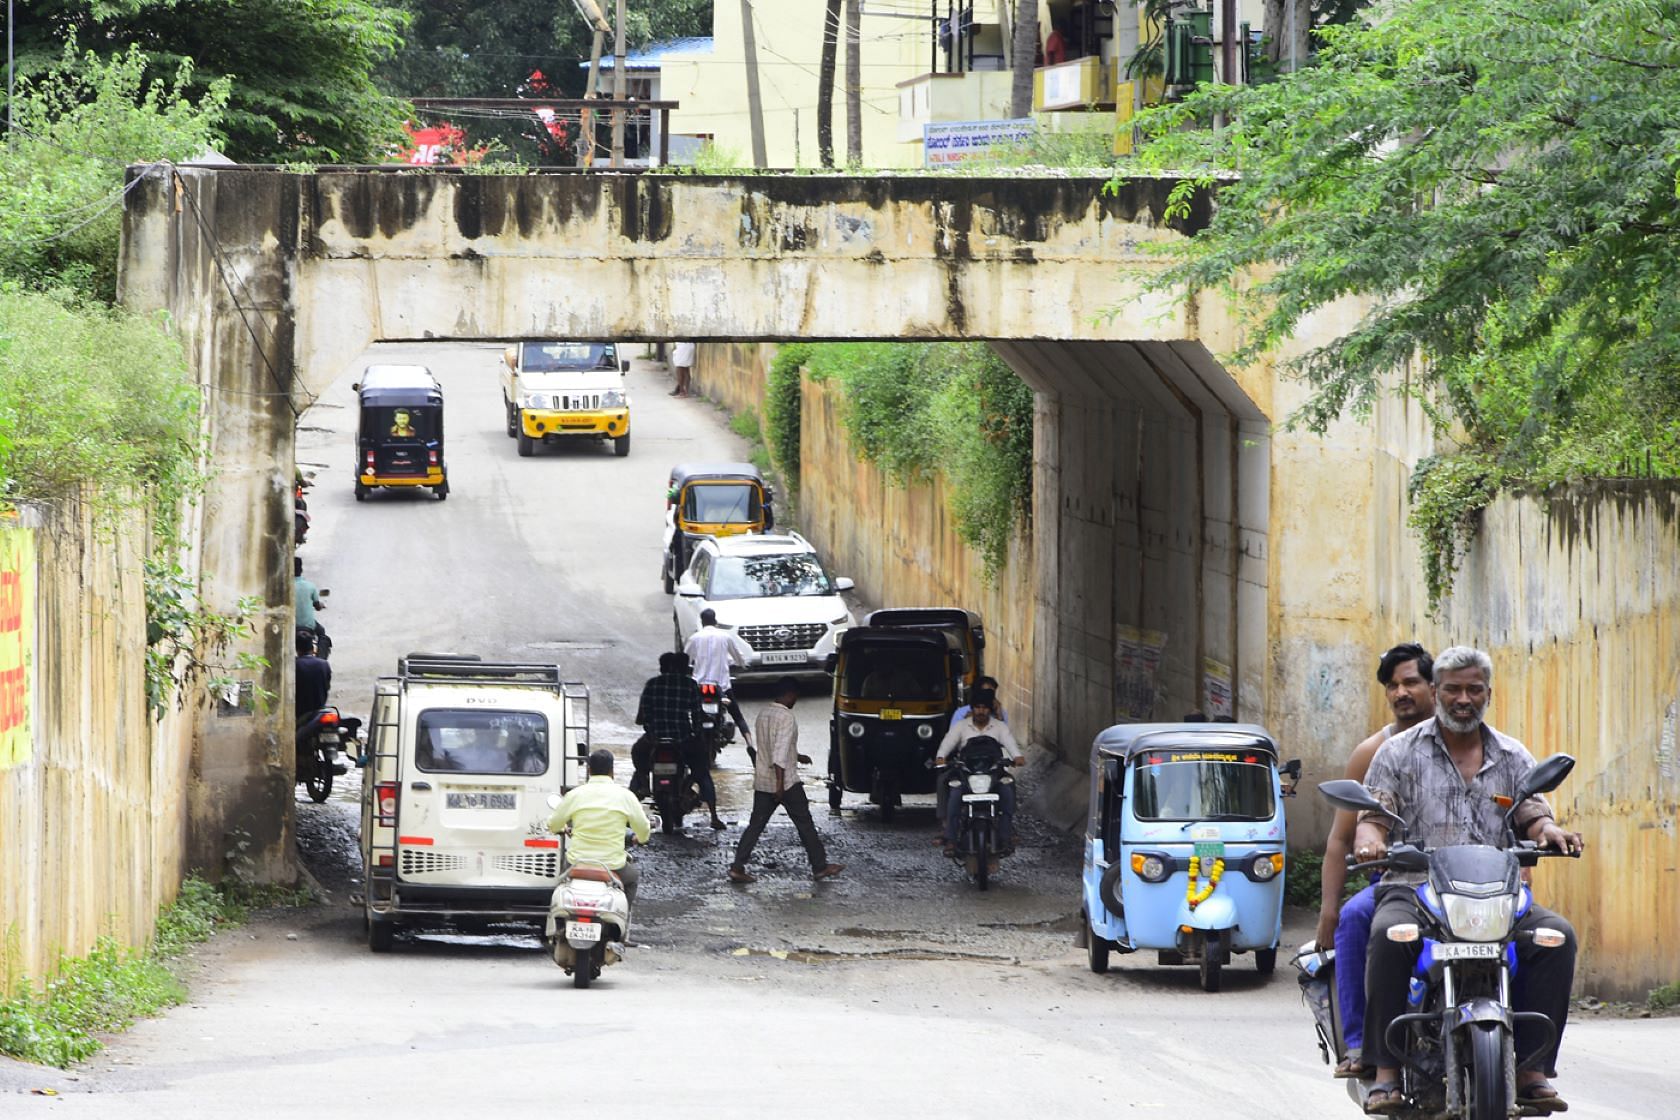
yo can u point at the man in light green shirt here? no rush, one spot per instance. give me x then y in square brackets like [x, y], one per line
[597, 814]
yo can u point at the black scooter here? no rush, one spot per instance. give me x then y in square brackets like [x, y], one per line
[673, 788]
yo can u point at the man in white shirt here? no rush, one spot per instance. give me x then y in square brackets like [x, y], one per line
[979, 723]
[776, 782]
[712, 650]
[682, 360]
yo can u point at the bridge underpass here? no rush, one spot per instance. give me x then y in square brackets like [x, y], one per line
[1153, 478]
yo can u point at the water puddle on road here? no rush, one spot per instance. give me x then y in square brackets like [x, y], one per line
[837, 956]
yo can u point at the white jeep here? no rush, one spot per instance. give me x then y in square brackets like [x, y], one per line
[559, 390]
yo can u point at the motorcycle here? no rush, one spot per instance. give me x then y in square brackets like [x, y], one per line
[321, 739]
[300, 512]
[981, 772]
[673, 789]
[717, 730]
[587, 914]
[1456, 1043]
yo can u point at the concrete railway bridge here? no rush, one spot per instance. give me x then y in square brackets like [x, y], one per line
[1161, 489]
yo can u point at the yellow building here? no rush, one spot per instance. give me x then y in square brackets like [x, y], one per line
[921, 62]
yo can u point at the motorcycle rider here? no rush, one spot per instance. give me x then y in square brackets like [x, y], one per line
[977, 723]
[1452, 778]
[313, 679]
[1404, 672]
[306, 600]
[670, 709]
[713, 649]
[597, 813]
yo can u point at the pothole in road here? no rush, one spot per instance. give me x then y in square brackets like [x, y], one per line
[835, 956]
[572, 646]
[1067, 923]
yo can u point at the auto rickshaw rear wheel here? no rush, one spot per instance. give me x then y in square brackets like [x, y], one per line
[442, 491]
[361, 492]
[1096, 948]
[1265, 961]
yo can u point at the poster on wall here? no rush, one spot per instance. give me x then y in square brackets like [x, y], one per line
[17, 644]
[1216, 689]
[1137, 671]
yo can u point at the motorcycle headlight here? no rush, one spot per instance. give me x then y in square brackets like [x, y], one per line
[855, 730]
[924, 731]
[612, 398]
[1478, 919]
[980, 783]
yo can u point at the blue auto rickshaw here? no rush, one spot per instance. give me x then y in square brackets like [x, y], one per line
[1184, 848]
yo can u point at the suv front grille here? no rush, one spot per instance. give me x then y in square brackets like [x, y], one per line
[802, 635]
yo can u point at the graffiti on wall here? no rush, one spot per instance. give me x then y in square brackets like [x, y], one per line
[17, 643]
[1137, 671]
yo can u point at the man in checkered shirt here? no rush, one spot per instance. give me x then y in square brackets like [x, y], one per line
[670, 709]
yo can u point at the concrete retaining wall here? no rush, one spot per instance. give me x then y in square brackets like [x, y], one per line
[93, 821]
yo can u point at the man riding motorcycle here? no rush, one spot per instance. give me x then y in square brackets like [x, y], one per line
[712, 650]
[670, 709]
[979, 722]
[1453, 777]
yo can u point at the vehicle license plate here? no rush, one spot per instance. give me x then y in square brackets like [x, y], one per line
[892, 713]
[981, 796]
[583, 931]
[462, 799]
[664, 768]
[1207, 850]
[783, 657]
[1461, 950]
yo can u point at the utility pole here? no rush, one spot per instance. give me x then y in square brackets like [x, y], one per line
[592, 15]
[755, 102]
[1232, 64]
[618, 89]
[854, 85]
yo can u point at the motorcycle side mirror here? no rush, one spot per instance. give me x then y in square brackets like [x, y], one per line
[1345, 793]
[1544, 778]
[624, 365]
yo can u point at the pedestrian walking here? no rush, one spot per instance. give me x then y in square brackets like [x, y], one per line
[682, 360]
[776, 782]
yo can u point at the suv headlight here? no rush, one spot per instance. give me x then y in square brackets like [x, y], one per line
[1478, 919]
[531, 400]
[612, 398]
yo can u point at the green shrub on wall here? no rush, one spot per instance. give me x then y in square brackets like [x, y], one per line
[920, 409]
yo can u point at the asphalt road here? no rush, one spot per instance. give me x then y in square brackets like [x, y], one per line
[896, 989]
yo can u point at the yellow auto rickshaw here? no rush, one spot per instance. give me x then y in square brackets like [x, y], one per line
[961, 627]
[711, 500]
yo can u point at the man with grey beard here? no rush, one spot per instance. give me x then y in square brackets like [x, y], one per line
[1452, 778]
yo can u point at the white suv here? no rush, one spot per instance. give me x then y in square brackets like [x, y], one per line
[772, 590]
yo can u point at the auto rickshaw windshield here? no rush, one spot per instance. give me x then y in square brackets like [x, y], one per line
[478, 742]
[895, 674]
[552, 357]
[766, 577]
[718, 503]
[1199, 785]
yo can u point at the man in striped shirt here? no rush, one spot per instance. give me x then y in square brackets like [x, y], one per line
[776, 782]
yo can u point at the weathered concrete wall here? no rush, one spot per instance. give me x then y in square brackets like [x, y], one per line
[93, 822]
[1576, 595]
[215, 255]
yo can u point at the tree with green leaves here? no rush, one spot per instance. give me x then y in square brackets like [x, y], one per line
[1498, 182]
[302, 71]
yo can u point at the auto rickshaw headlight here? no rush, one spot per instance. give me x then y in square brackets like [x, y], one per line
[855, 730]
[1266, 866]
[1149, 868]
[924, 731]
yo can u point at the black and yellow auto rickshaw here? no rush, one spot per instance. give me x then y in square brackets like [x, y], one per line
[399, 433]
[894, 691]
[711, 500]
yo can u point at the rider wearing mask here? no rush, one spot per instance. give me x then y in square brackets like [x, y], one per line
[598, 813]
[1452, 778]
[713, 649]
[978, 723]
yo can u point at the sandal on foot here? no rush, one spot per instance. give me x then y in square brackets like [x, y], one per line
[1350, 1067]
[1541, 1096]
[1384, 1098]
[829, 872]
[738, 875]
